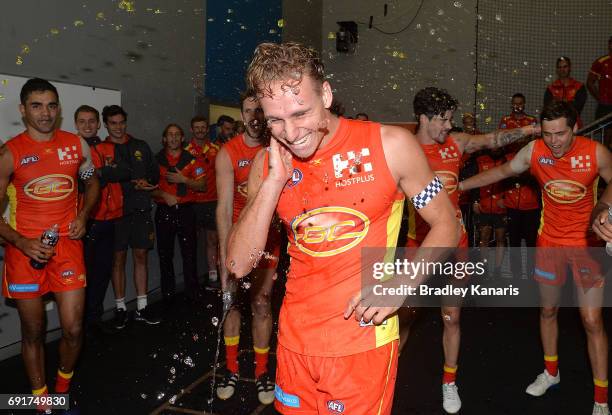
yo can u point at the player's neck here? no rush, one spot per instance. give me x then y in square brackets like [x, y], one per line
[39, 136]
[424, 138]
[199, 142]
[332, 124]
[173, 153]
[565, 81]
[519, 115]
[116, 140]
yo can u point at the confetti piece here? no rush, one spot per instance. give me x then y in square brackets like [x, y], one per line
[19, 60]
[488, 120]
[482, 106]
[457, 4]
[25, 49]
[78, 23]
[281, 23]
[127, 5]
[479, 88]
[4, 82]
[158, 11]
[54, 31]
[100, 16]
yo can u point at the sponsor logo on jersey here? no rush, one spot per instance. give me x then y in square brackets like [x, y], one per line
[329, 231]
[243, 163]
[448, 179]
[565, 191]
[335, 407]
[547, 161]
[50, 187]
[352, 163]
[581, 163]
[449, 152]
[199, 171]
[29, 160]
[67, 273]
[68, 155]
[296, 177]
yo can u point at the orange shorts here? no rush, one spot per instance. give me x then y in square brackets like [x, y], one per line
[65, 271]
[552, 260]
[359, 384]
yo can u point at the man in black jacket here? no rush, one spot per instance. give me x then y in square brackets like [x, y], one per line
[135, 228]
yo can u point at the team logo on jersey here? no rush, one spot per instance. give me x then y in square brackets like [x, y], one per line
[581, 163]
[29, 160]
[243, 163]
[296, 177]
[448, 179]
[68, 155]
[448, 153]
[565, 191]
[329, 231]
[352, 163]
[242, 188]
[547, 161]
[50, 187]
[335, 407]
[199, 171]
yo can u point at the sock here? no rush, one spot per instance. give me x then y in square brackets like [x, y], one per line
[261, 360]
[62, 383]
[231, 352]
[601, 390]
[40, 391]
[120, 304]
[141, 302]
[551, 363]
[212, 275]
[450, 374]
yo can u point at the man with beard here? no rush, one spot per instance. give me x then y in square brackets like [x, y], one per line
[566, 88]
[233, 165]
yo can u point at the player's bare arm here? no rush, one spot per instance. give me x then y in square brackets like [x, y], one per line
[199, 185]
[32, 247]
[87, 173]
[410, 169]
[249, 235]
[224, 173]
[599, 216]
[495, 139]
[514, 167]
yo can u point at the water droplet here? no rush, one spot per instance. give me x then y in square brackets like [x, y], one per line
[525, 63]
[172, 400]
[160, 395]
[189, 361]
[457, 4]
[172, 370]
[498, 17]
[432, 32]
[175, 356]
[195, 337]
[418, 26]
[215, 321]
[440, 12]
[143, 395]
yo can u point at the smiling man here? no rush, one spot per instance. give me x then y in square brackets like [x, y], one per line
[39, 170]
[567, 168]
[338, 186]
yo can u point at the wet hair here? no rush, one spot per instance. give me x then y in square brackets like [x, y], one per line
[433, 101]
[36, 85]
[198, 118]
[559, 109]
[519, 95]
[170, 126]
[111, 111]
[287, 62]
[563, 58]
[87, 108]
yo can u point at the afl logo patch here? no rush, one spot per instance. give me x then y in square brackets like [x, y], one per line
[296, 177]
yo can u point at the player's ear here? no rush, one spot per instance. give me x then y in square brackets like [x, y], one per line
[326, 94]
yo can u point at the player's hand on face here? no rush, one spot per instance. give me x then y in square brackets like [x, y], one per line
[602, 227]
[76, 229]
[280, 162]
[35, 249]
[365, 311]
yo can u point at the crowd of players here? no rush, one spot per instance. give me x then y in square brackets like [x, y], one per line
[295, 167]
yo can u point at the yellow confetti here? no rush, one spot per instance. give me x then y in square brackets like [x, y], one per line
[157, 11]
[395, 86]
[281, 23]
[4, 82]
[1, 97]
[395, 53]
[479, 88]
[401, 55]
[488, 120]
[118, 27]
[19, 60]
[25, 49]
[54, 31]
[100, 16]
[78, 23]
[482, 106]
[127, 5]
[331, 35]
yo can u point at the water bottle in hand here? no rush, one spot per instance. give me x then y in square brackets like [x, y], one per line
[49, 237]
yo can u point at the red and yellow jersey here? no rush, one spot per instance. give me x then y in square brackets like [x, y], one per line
[188, 166]
[562, 92]
[490, 195]
[569, 190]
[43, 188]
[602, 69]
[206, 155]
[339, 201]
[110, 203]
[520, 194]
[509, 122]
[241, 157]
[445, 160]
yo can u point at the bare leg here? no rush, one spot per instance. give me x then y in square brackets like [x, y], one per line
[70, 305]
[32, 317]
[119, 259]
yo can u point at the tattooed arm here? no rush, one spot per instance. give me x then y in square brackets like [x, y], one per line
[499, 138]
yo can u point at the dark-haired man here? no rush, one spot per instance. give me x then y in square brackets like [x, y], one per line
[562, 162]
[135, 228]
[566, 88]
[99, 240]
[223, 130]
[205, 204]
[434, 109]
[41, 167]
